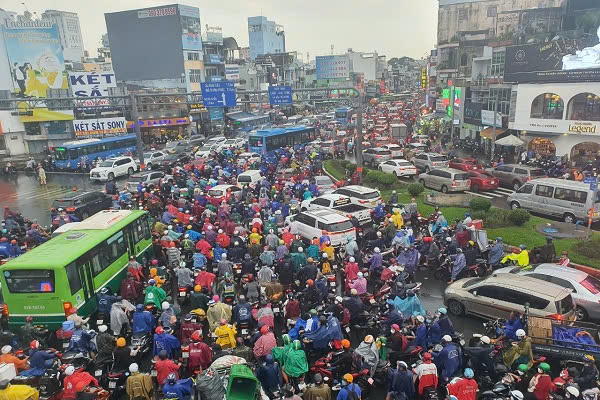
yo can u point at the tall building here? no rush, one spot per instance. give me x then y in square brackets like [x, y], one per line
[265, 37]
[163, 49]
[69, 31]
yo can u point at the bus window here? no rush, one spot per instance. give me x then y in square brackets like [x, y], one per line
[146, 227]
[73, 277]
[97, 265]
[61, 153]
[255, 141]
[74, 154]
[30, 281]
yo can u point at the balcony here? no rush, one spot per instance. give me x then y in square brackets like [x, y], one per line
[480, 83]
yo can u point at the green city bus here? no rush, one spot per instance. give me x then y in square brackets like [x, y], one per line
[68, 270]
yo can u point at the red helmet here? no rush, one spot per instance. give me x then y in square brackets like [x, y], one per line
[160, 330]
[155, 262]
[264, 330]
[13, 241]
[310, 282]
[197, 336]
[171, 244]
[223, 321]
[34, 345]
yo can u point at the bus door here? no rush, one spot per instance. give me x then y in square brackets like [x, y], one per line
[130, 240]
[87, 280]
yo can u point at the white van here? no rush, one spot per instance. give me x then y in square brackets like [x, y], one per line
[312, 223]
[569, 200]
[249, 178]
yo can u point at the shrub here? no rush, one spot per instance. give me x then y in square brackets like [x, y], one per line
[589, 248]
[415, 189]
[351, 167]
[480, 204]
[518, 217]
[478, 215]
[494, 218]
[371, 176]
[386, 179]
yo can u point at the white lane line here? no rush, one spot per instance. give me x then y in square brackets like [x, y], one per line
[507, 191]
[479, 194]
[48, 194]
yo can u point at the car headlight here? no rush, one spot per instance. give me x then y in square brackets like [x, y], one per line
[450, 291]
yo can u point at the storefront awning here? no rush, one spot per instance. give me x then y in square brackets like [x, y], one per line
[488, 133]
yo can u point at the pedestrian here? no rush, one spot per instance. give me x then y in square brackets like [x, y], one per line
[42, 175]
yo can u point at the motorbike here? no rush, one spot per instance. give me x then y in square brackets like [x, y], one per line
[116, 383]
[9, 171]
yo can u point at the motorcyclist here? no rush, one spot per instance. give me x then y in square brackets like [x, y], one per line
[199, 298]
[143, 321]
[225, 335]
[38, 358]
[541, 384]
[294, 362]
[459, 265]
[444, 322]
[17, 392]
[138, 386]
[81, 341]
[401, 382]
[200, 354]
[164, 366]
[589, 374]
[205, 278]
[105, 343]
[426, 374]
[265, 343]
[351, 247]
[172, 389]
[154, 295]
[131, 288]
[75, 379]
[252, 288]
[269, 375]
[167, 317]
[369, 352]
[449, 359]
[354, 304]
[187, 328]
[216, 312]
[122, 355]
[465, 388]
[546, 253]
[119, 320]
[520, 255]
[242, 312]
[185, 276]
[471, 253]
[521, 353]
[165, 341]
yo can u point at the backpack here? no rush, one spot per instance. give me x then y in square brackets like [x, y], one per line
[352, 395]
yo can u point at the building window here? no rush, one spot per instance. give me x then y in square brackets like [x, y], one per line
[503, 95]
[492, 11]
[547, 106]
[463, 14]
[498, 63]
[192, 56]
[584, 107]
[195, 75]
[254, 28]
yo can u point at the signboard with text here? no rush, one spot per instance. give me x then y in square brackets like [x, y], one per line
[280, 95]
[92, 84]
[218, 94]
[487, 118]
[157, 12]
[232, 72]
[99, 126]
[472, 113]
[149, 123]
[328, 67]
[216, 113]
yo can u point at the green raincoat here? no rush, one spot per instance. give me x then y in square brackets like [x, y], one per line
[294, 361]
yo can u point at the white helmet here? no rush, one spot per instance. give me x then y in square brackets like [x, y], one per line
[378, 234]
[572, 391]
[352, 259]
[165, 305]
[516, 395]
[360, 274]
[339, 299]
[70, 370]
[376, 249]
[485, 339]
[324, 255]
[224, 256]
[220, 231]
[520, 333]
[133, 368]
[300, 249]
[447, 338]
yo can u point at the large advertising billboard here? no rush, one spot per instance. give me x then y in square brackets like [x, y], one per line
[190, 27]
[99, 126]
[329, 67]
[563, 60]
[36, 65]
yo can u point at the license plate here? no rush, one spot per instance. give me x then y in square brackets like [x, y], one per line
[238, 271]
[301, 385]
[154, 372]
[181, 294]
[371, 381]
[332, 283]
[112, 385]
[185, 354]
[98, 372]
[276, 309]
[244, 331]
[372, 301]
[335, 266]
[348, 329]
[65, 345]
[99, 322]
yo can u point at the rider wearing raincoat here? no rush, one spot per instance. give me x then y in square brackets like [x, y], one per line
[294, 361]
[154, 295]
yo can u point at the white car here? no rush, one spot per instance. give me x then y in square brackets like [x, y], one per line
[204, 151]
[397, 150]
[152, 158]
[111, 168]
[361, 195]
[249, 158]
[237, 143]
[398, 167]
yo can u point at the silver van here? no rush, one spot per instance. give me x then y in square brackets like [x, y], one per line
[569, 200]
[446, 180]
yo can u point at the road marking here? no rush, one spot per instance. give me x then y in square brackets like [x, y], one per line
[479, 194]
[48, 195]
[507, 191]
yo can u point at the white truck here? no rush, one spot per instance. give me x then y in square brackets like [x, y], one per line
[399, 132]
[340, 204]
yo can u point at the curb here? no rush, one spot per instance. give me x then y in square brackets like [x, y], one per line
[329, 175]
[584, 268]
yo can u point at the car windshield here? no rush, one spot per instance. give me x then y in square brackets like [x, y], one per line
[147, 156]
[171, 145]
[339, 226]
[215, 193]
[404, 164]
[205, 148]
[323, 181]
[244, 179]
[384, 152]
[537, 172]
[438, 158]
[565, 304]
[368, 195]
[106, 164]
[591, 284]
[472, 282]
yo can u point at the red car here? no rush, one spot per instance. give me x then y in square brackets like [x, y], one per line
[465, 164]
[482, 180]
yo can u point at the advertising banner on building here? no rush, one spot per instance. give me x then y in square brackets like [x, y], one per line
[99, 126]
[36, 65]
[487, 118]
[91, 84]
[232, 72]
[190, 27]
[472, 113]
[329, 67]
[563, 60]
[157, 12]
[561, 108]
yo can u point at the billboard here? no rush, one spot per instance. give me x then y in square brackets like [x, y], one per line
[329, 67]
[91, 84]
[563, 60]
[487, 118]
[472, 113]
[191, 38]
[232, 72]
[99, 126]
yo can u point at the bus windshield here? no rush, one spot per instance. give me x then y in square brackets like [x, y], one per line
[61, 153]
[340, 114]
[30, 281]
[255, 141]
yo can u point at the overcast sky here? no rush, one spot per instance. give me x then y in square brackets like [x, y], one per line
[394, 28]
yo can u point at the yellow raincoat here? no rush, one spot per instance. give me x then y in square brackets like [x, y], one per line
[523, 348]
[397, 219]
[216, 313]
[226, 336]
[330, 252]
[521, 258]
[19, 392]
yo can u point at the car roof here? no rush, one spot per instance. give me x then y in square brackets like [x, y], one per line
[332, 196]
[431, 154]
[528, 284]
[526, 167]
[326, 214]
[451, 170]
[74, 195]
[378, 149]
[223, 187]
[250, 172]
[322, 177]
[553, 270]
[562, 183]
[359, 189]
[401, 159]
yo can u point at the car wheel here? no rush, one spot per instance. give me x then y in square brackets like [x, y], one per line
[516, 185]
[427, 169]
[581, 314]
[569, 218]
[456, 308]
[514, 205]
[111, 176]
[130, 171]
[444, 189]
[475, 188]
[149, 166]
[396, 175]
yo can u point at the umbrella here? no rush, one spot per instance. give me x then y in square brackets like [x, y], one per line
[509, 140]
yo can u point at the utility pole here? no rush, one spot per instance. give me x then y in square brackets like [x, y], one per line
[136, 127]
[359, 138]
[494, 128]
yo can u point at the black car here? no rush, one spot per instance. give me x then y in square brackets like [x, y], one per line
[171, 159]
[83, 204]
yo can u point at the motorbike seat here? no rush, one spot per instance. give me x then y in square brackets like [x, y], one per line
[138, 335]
[480, 260]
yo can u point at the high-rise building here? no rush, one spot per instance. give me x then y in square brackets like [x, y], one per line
[69, 31]
[163, 49]
[265, 37]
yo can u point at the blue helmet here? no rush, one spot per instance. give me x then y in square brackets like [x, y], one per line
[469, 373]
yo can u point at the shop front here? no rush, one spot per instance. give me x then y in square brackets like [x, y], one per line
[161, 130]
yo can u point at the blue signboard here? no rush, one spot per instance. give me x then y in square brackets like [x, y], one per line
[218, 94]
[593, 186]
[280, 95]
[589, 179]
[216, 113]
